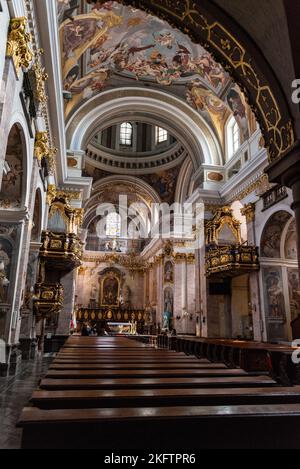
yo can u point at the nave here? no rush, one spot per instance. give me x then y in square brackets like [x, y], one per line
[112, 393]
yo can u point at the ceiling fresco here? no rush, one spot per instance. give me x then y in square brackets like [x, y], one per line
[102, 41]
[163, 182]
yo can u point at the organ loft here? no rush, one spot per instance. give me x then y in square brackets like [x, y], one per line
[149, 224]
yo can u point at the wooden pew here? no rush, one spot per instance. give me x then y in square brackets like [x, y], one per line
[156, 428]
[155, 383]
[250, 356]
[86, 399]
[58, 365]
[124, 373]
[105, 387]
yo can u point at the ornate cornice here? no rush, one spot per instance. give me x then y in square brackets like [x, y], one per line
[42, 149]
[41, 145]
[55, 193]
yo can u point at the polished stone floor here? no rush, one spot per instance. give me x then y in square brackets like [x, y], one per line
[14, 395]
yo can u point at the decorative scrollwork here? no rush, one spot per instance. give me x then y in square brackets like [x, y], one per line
[18, 44]
[41, 77]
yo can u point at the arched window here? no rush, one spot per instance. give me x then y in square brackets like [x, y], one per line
[126, 134]
[161, 135]
[233, 137]
[113, 225]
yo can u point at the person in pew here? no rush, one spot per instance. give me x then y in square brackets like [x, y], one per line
[84, 331]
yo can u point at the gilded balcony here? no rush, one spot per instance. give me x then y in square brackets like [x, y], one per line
[231, 261]
[61, 251]
[48, 300]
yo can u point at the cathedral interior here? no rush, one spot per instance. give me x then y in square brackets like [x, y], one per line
[149, 223]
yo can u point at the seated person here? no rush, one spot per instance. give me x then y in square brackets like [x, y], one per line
[84, 331]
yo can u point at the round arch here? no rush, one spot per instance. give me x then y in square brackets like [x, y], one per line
[270, 240]
[18, 136]
[147, 194]
[277, 208]
[176, 116]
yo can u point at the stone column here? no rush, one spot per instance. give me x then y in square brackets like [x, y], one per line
[184, 285]
[160, 291]
[28, 329]
[184, 296]
[254, 287]
[191, 293]
[68, 281]
[203, 292]
[150, 279]
[178, 294]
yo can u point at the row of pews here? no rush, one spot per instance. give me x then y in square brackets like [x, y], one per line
[117, 393]
[275, 359]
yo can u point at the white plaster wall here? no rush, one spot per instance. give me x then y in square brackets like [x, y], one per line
[4, 25]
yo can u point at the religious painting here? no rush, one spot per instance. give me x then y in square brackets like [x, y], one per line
[290, 247]
[6, 250]
[208, 104]
[112, 38]
[110, 290]
[294, 292]
[11, 188]
[237, 104]
[169, 272]
[271, 238]
[164, 183]
[273, 294]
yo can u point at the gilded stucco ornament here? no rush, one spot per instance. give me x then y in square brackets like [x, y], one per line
[18, 44]
[41, 77]
[41, 146]
[222, 217]
[55, 193]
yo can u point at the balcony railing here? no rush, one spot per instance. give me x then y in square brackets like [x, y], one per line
[62, 251]
[231, 261]
[48, 300]
[273, 196]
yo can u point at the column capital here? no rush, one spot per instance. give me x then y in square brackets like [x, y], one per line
[249, 212]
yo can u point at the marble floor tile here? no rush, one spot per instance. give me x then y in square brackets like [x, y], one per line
[15, 393]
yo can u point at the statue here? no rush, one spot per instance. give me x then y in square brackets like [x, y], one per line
[168, 307]
[168, 272]
[4, 282]
[126, 294]
[93, 295]
[166, 321]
